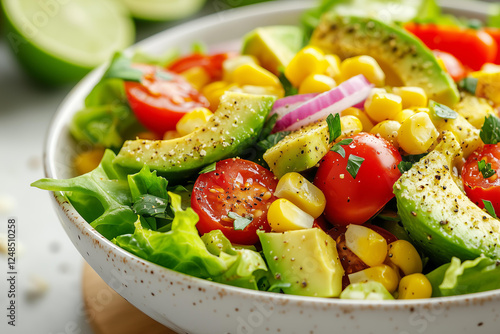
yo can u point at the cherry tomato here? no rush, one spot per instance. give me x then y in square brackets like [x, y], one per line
[239, 186]
[350, 261]
[210, 63]
[161, 98]
[476, 186]
[355, 200]
[495, 33]
[472, 47]
[321, 223]
[453, 66]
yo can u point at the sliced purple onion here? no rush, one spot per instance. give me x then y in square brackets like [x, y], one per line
[287, 104]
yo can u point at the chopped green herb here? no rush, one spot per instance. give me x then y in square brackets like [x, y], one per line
[208, 168]
[152, 206]
[121, 68]
[468, 84]
[485, 169]
[338, 146]
[405, 166]
[489, 207]
[334, 127]
[287, 85]
[272, 140]
[353, 164]
[440, 110]
[490, 132]
[239, 222]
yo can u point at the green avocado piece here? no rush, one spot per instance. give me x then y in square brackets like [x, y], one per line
[306, 259]
[438, 216]
[398, 52]
[273, 46]
[235, 125]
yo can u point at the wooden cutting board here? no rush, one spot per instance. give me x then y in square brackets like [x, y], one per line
[109, 313]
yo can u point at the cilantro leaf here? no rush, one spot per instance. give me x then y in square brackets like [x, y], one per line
[337, 148]
[353, 164]
[239, 222]
[442, 111]
[468, 84]
[490, 132]
[485, 169]
[405, 166]
[287, 85]
[152, 206]
[489, 207]
[208, 168]
[334, 127]
[272, 140]
[121, 68]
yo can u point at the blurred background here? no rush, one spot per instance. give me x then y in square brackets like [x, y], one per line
[32, 85]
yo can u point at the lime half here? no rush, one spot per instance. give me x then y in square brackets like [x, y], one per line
[163, 10]
[59, 41]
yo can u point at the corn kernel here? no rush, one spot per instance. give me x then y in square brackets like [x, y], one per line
[387, 130]
[333, 68]
[232, 63]
[309, 60]
[193, 120]
[197, 76]
[405, 256]
[414, 286]
[316, 83]
[214, 91]
[474, 109]
[279, 92]
[365, 65]
[298, 190]
[367, 244]
[361, 115]
[403, 115]
[381, 105]
[255, 75]
[417, 134]
[87, 161]
[283, 216]
[382, 274]
[350, 125]
[411, 96]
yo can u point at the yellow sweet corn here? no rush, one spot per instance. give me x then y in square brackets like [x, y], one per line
[232, 63]
[283, 216]
[333, 69]
[279, 92]
[414, 286]
[367, 244]
[361, 115]
[193, 120]
[350, 125]
[382, 274]
[387, 130]
[411, 96]
[214, 91]
[488, 85]
[365, 65]
[404, 255]
[89, 160]
[381, 105]
[316, 83]
[403, 115]
[298, 190]
[197, 76]
[417, 134]
[254, 75]
[309, 60]
[466, 134]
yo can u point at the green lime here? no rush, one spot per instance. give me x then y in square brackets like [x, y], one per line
[59, 41]
[163, 10]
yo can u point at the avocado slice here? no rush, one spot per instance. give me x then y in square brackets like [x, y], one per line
[397, 51]
[305, 259]
[437, 214]
[273, 46]
[235, 125]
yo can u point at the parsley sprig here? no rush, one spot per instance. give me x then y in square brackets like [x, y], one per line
[239, 222]
[490, 131]
[485, 169]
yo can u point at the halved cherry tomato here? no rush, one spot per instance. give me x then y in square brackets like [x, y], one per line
[355, 200]
[472, 47]
[452, 65]
[239, 186]
[161, 98]
[212, 64]
[476, 186]
[495, 33]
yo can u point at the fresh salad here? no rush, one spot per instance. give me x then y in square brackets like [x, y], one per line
[351, 156]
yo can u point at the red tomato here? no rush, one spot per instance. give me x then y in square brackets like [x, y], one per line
[495, 33]
[210, 63]
[453, 66]
[355, 200]
[238, 186]
[322, 224]
[472, 47]
[476, 186]
[161, 98]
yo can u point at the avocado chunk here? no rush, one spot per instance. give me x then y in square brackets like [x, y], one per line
[397, 51]
[305, 259]
[273, 46]
[235, 125]
[438, 216]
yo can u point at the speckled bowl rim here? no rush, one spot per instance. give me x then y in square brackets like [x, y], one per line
[65, 111]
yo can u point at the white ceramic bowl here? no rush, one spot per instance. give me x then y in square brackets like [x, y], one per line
[191, 305]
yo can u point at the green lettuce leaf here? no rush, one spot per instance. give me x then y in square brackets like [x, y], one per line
[370, 290]
[180, 249]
